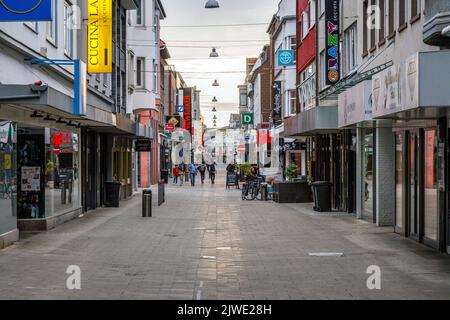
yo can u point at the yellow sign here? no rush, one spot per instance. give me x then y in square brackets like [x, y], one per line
[99, 36]
[8, 162]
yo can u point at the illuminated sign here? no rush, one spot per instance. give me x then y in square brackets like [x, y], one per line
[187, 112]
[99, 36]
[333, 74]
[25, 10]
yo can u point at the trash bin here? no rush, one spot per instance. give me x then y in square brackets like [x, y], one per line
[112, 193]
[147, 203]
[165, 175]
[322, 196]
[264, 191]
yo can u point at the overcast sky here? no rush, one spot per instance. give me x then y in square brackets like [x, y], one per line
[234, 45]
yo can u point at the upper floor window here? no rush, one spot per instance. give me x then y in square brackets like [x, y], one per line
[416, 7]
[350, 48]
[402, 14]
[52, 25]
[139, 13]
[68, 31]
[305, 26]
[312, 10]
[321, 7]
[140, 72]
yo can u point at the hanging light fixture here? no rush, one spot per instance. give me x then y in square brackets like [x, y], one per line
[48, 118]
[71, 124]
[214, 99]
[214, 53]
[61, 121]
[214, 109]
[215, 118]
[215, 84]
[36, 115]
[212, 4]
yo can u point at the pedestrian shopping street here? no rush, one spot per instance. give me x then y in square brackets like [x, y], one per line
[206, 243]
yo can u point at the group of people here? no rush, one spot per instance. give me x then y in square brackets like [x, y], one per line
[183, 173]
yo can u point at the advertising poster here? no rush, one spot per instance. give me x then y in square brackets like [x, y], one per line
[332, 67]
[31, 179]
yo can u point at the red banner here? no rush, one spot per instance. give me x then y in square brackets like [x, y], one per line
[187, 113]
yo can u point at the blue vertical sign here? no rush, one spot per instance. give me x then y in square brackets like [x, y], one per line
[25, 10]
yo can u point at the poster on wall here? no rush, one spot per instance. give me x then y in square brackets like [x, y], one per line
[333, 70]
[31, 179]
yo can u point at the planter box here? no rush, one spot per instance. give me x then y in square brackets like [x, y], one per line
[292, 192]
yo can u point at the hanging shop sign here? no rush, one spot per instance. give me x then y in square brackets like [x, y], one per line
[332, 67]
[25, 10]
[286, 58]
[187, 111]
[247, 119]
[143, 145]
[180, 109]
[173, 122]
[100, 36]
[80, 98]
[277, 103]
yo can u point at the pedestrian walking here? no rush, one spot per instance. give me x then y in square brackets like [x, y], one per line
[202, 169]
[212, 173]
[181, 169]
[193, 173]
[175, 173]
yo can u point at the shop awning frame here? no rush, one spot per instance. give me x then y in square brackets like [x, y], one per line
[333, 92]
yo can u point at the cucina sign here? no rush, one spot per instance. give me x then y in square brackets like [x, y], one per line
[100, 36]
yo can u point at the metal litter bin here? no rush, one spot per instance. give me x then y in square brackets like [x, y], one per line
[165, 175]
[322, 196]
[147, 203]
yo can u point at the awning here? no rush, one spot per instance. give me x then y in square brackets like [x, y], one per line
[352, 80]
[318, 120]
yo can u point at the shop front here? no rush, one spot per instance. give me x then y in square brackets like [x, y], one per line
[8, 183]
[330, 152]
[413, 95]
[355, 117]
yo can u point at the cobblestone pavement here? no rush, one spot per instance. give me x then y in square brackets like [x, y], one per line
[205, 243]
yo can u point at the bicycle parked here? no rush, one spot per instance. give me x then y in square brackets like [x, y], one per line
[252, 188]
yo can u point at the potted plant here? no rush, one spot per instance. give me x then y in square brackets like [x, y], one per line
[291, 172]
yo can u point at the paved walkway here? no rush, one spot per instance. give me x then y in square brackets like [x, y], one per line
[205, 243]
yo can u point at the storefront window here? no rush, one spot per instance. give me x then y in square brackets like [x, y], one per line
[399, 176]
[368, 174]
[62, 183]
[8, 178]
[431, 185]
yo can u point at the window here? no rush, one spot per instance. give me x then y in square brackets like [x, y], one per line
[140, 72]
[321, 7]
[312, 8]
[350, 48]
[365, 30]
[391, 17]
[68, 32]
[242, 98]
[415, 9]
[33, 25]
[131, 75]
[292, 43]
[373, 29]
[292, 101]
[322, 63]
[139, 11]
[381, 31]
[402, 9]
[52, 25]
[305, 19]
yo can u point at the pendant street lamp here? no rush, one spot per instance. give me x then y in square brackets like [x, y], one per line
[215, 84]
[214, 53]
[215, 118]
[212, 4]
[214, 99]
[214, 109]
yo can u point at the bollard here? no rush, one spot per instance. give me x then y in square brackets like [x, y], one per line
[147, 204]
[264, 192]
